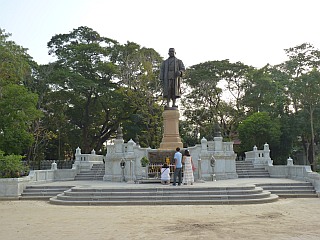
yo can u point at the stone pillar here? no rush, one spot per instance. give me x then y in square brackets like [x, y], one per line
[118, 144]
[78, 154]
[266, 151]
[204, 145]
[289, 161]
[130, 146]
[54, 166]
[200, 180]
[171, 138]
[256, 154]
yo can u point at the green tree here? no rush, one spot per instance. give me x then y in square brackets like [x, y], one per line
[84, 86]
[204, 105]
[302, 70]
[202, 100]
[41, 128]
[266, 92]
[139, 75]
[258, 129]
[306, 92]
[17, 104]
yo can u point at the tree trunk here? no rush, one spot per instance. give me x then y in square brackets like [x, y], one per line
[313, 157]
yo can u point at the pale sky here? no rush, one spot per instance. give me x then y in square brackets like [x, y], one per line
[255, 32]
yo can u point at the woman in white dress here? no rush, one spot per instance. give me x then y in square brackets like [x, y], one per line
[188, 177]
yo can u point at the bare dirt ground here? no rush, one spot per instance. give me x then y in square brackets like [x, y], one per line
[285, 219]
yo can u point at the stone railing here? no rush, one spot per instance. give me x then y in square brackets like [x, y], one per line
[296, 172]
[259, 158]
[11, 188]
[86, 161]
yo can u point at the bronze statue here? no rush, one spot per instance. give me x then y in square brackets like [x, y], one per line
[170, 74]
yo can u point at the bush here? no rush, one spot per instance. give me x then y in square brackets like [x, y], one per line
[11, 166]
[144, 161]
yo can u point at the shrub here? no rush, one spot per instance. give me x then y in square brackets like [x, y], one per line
[11, 166]
[144, 161]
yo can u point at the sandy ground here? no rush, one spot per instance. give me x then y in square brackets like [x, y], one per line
[283, 219]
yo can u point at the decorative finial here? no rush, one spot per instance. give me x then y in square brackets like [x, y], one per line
[119, 133]
[217, 132]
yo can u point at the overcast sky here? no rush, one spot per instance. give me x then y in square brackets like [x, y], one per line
[255, 32]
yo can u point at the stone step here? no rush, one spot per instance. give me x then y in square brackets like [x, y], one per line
[48, 187]
[101, 165]
[247, 170]
[297, 188]
[253, 173]
[163, 195]
[253, 176]
[95, 173]
[86, 178]
[252, 170]
[271, 198]
[42, 192]
[290, 190]
[244, 164]
[291, 184]
[91, 174]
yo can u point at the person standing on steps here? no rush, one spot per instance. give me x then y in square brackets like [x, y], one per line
[170, 74]
[177, 167]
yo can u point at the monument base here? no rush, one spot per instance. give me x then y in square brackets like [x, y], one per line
[171, 138]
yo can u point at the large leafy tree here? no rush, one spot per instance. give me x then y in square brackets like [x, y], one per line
[302, 70]
[306, 92]
[17, 104]
[42, 129]
[236, 77]
[201, 101]
[139, 75]
[258, 129]
[266, 91]
[204, 105]
[84, 89]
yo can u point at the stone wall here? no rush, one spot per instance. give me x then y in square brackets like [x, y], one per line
[217, 151]
[11, 188]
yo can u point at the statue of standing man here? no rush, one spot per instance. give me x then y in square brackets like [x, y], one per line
[170, 74]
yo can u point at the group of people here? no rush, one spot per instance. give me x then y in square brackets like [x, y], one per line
[180, 162]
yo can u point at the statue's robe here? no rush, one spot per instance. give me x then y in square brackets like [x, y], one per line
[171, 70]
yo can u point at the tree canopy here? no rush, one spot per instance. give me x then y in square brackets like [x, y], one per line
[97, 84]
[17, 104]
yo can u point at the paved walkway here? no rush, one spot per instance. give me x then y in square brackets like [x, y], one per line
[220, 183]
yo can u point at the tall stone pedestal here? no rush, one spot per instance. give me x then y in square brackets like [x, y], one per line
[171, 138]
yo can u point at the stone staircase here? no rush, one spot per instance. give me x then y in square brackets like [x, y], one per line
[168, 195]
[290, 190]
[95, 173]
[42, 192]
[245, 169]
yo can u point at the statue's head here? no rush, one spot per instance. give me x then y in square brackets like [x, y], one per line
[172, 52]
